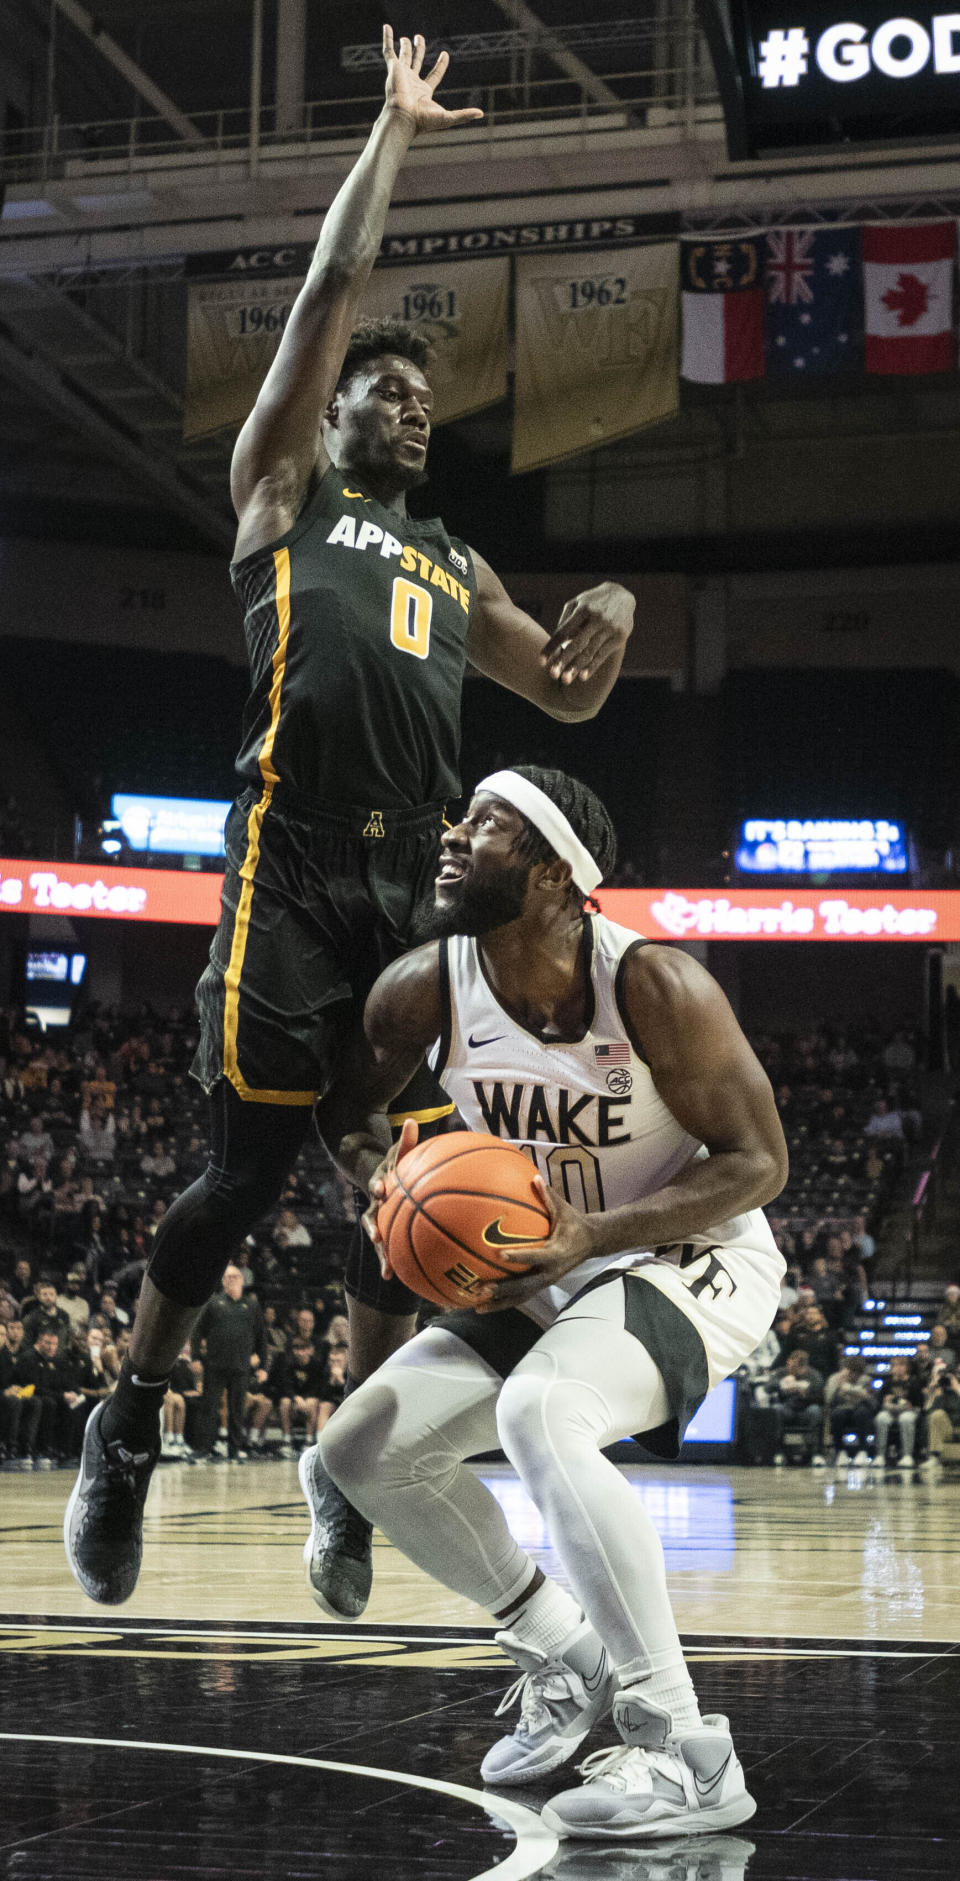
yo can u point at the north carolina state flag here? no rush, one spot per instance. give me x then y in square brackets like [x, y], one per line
[723, 296]
[908, 296]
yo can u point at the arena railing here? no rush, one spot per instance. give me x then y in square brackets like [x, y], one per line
[676, 88]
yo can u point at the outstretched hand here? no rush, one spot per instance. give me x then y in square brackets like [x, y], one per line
[409, 91]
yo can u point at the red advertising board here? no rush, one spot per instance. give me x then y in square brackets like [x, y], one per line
[804, 914]
[123, 894]
[827, 914]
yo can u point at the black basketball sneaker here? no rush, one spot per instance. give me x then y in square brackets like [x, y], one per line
[103, 1521]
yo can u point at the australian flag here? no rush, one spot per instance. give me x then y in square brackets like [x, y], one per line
[814, 300]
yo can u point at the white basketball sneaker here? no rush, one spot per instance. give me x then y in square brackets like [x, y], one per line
[692, 1786]
[561, 1698]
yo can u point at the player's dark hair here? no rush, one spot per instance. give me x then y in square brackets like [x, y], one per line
[376, 337]
[584, 812]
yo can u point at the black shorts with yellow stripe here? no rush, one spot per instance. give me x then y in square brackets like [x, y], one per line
[315, 903]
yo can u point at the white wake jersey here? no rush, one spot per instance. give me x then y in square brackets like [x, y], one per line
[586, 1110]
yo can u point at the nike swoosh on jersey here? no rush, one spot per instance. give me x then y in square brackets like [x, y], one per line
[475, 1043]
[495, 1237]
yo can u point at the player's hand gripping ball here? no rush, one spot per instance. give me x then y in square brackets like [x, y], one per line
[451, 1206]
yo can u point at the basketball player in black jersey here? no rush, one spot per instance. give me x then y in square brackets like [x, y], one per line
[359, 622]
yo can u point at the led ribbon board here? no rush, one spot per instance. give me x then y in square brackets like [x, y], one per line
[803, 72]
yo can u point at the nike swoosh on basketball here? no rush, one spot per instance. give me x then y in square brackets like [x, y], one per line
[475, 1043]
[495, 1237]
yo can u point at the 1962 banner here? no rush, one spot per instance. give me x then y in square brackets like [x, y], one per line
[234, 329]
[597, 349]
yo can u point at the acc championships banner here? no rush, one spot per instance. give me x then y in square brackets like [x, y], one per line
[848, 914]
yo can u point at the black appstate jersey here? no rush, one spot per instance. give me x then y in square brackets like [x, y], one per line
[356, 624]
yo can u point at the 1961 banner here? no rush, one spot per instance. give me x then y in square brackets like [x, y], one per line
[234, 328]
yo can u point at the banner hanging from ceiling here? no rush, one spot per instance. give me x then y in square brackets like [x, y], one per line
[233, 331]
[462, 308]
[597, 349]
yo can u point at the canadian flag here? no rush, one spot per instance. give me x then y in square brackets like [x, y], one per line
[908, 296]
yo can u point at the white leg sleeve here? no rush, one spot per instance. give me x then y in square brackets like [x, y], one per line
[587, 1383]
[396, 1448]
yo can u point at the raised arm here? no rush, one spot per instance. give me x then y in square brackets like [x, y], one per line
[401, 1020]
[567, 673]
[280, 445]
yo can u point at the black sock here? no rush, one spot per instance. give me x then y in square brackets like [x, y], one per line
[132, 1414]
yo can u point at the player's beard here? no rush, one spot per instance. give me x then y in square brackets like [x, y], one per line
[372, 459]
[473, 907]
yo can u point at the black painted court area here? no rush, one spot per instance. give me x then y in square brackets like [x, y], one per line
[852, 1751]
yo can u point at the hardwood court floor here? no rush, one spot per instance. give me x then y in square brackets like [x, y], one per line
[217, 1725]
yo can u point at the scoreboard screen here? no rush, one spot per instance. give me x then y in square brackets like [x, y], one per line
[811, 72]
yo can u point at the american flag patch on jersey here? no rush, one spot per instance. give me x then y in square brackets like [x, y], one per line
[612, 1054]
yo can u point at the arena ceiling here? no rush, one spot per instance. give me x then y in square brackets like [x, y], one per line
[92, 356]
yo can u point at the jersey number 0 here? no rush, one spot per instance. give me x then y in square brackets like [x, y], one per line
[411, 609]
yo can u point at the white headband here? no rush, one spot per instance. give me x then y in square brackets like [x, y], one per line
[542, 812]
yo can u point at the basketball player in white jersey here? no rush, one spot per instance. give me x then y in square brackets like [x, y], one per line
[620, 1068]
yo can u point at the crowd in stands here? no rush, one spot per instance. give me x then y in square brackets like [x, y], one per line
[99, 1132]
[101, 1128]
[810, 1398]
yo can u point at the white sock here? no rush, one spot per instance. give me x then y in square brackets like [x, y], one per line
[546, 1619]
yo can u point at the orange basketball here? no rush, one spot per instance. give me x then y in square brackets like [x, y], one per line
[450, 1205]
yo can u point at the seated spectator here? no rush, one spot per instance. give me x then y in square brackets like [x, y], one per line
[337, 1331]
[44, 1372]
[35, 1193]
[98, 1090]
[811, 1334]
[290, 1232]
[117, 1317]
[9, 1308]
[883, 1121]
[295, 1385]
[303, 1322]
[941, 1346]
[98, 1136]
[941, 1403]
[35, 1141]
[848, 1397]
[796, 1397]
[948, 1312]
[901, 1401]
[19, 1404]
[92, 1252]
[46, 1315]
[21, 1286]
[158, 1162]
[276, 1337]
[73, 1301]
